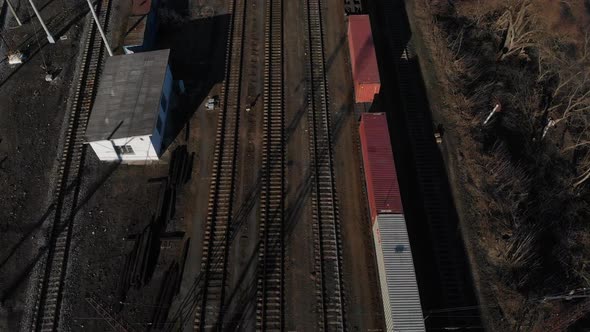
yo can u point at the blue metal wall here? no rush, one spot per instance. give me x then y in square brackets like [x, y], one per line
[163, 112]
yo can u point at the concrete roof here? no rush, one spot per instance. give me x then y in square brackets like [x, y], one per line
[128, 96]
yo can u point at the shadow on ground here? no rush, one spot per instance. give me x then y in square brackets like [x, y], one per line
[244, 302]
[197, 56]
[446, 287]
[27, 267]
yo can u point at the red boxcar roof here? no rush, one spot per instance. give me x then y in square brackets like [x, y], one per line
[140, 7]
[380, 174]
[362, 50]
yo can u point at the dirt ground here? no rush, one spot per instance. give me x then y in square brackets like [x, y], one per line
[193, 204]
[123, 205]
[118, 201]
[448, 150]
[119, 198]
[299, 284]
[360, 279]
[31, 118]
[240, 298]
[199, 64]
[363, 301]
[498, 302]
[442, 266]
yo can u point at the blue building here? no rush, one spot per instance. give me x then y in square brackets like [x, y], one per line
[130, 113]
[142, 26]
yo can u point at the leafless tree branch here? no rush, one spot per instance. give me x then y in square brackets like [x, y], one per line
[516, 25]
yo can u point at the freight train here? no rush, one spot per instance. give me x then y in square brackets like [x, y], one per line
[363, 60]
[397, 276]
[399, 289]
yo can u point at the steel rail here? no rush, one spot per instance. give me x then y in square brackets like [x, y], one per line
[326, 228]
[47, 310]
[210, 306]
[269, 303]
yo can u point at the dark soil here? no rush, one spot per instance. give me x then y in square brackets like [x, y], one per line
[360, 276]
[125, 204]
[31, 118]
[441, 262]
[120, 203]
[536, 173]
[299, 280]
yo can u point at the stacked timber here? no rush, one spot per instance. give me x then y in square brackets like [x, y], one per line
[179, 172]
[180, 167]
[169, 289]
[141, 261]
[170, 285]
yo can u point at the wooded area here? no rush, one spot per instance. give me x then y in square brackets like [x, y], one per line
[525, 173]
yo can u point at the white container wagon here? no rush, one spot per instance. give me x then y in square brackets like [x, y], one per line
[399, 290]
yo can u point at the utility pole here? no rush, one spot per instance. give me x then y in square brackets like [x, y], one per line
[49, 36]
[13, 12]
[104, 38]
[495, 110]
[550, 123]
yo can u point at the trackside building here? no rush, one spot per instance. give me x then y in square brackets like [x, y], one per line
[132, 107]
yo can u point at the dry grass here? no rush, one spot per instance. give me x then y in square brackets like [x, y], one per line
[567, 20]
[523, 208]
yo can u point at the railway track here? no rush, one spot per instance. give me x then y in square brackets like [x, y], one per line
[209, 313]
[57, 23]
[47, 308]
[269, 299]
[326, 228]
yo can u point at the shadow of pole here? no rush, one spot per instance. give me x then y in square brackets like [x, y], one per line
[40, 222]
[28, 235]
[28, 48]
[187, 306]
[22, 276]
[441, 263]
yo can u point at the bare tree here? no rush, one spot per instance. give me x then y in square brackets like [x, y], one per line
[572, 96]
[478, 10]
[507, 186]
[517, 25]
[583, 164]
[568, 79]
[522, 255]
[562, 317]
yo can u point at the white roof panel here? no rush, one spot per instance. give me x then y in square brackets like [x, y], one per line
[398, 278]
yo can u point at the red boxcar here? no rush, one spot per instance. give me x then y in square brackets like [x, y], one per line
[141, 7]
[380, 175]
[365, 72]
